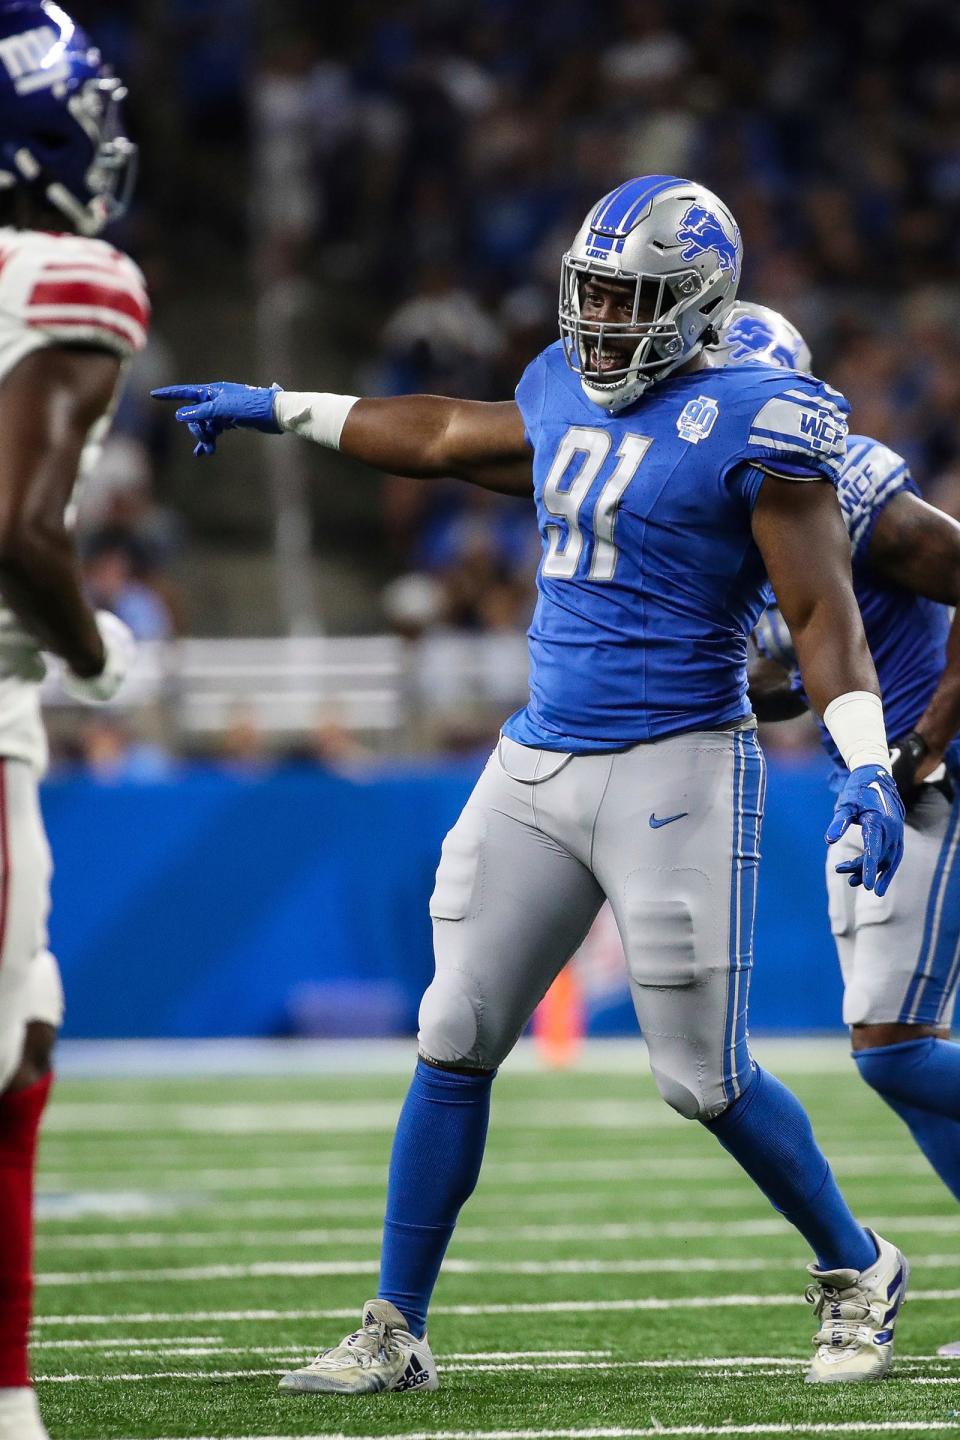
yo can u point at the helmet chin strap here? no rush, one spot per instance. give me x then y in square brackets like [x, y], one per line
[615, 400]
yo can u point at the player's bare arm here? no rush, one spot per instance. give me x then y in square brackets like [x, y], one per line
[428, 435]
[800, 532]
[917, 547]
[423, 436]
[48, 405]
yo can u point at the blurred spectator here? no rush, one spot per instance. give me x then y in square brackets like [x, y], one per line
[243, 747]
[117, 576]
[112, 753]
[409, 177]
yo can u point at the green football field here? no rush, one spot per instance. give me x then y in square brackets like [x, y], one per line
[613, 1276]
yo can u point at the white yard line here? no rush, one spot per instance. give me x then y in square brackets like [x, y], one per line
[215, 1345]
[317, 1269]
[114, 1207]
[465, 1359]
[308, 1117]
[180, 1059]
[846, 1427]
[474, 1234]
[287, 1360]
[203, 1345]
[133, 1377]
[200, 1375]
[547, 1307]
[750, 1367]
[119, 1342]
[498, 1174]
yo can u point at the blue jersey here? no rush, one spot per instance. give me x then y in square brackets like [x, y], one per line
[907, 634]
[650, 582]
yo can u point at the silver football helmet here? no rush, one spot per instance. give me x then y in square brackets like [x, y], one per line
[752, 332]
[677, 245]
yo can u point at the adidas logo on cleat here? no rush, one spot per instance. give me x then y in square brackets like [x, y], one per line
[414, 1375]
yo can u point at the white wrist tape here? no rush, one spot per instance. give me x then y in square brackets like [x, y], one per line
[320, 418]
[855, 721]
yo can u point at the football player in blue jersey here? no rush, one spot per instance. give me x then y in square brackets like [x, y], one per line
[666, 494]
[900, 953]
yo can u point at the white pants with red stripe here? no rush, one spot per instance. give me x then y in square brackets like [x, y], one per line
[30, 986]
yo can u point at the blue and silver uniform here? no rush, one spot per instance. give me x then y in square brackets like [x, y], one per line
[906, 633]
[650, 582]
[900, 955]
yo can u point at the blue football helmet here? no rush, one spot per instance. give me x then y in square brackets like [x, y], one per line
[755, 333]
[61, 127]
[676, 246]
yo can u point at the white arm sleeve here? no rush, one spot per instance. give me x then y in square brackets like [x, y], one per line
[855, 721]
[317, 417]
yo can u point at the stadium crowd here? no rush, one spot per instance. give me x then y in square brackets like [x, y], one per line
[417, 171]
[455, 151]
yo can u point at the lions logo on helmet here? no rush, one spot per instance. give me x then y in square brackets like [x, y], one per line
[749, 336]
[700, 230]
[753, 333]
[61, 130]
[671, 251]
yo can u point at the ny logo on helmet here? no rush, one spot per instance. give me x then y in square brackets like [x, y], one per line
[700, 231]
[749, 335]
[33, 61]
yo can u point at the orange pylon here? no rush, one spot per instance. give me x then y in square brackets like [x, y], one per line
[558, 1021]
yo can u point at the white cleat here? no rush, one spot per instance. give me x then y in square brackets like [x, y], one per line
[951, 1351]
[381, 1355]
[858, 1315]
[20, 1416]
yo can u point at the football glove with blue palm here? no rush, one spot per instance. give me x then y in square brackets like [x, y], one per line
[871, 800]
[222, 405]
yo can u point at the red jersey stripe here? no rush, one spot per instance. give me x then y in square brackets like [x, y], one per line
[130, 341]
[87, 292]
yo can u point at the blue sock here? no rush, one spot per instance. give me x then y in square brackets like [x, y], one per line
[434, 1165]
[924, 1073]
[919, 1080]
[938, 1137]
[768, 1133]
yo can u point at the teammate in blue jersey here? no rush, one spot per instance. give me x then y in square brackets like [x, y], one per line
[900, 954]
[666, 494]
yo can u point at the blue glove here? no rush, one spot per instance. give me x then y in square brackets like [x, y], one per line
[871, 800]
[222, 405]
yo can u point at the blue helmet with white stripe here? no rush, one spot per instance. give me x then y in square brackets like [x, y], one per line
[675, 250]
[61, 130]
[754, 332]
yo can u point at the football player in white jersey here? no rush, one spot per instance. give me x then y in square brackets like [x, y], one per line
[73, 310]
[900, 955]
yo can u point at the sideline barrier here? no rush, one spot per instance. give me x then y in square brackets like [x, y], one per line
[216, 904]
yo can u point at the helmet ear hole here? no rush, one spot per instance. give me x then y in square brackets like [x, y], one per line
[49, 140]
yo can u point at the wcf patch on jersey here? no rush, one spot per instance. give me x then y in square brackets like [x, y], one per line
[697, 419]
